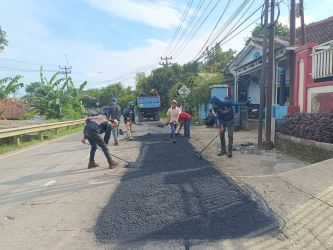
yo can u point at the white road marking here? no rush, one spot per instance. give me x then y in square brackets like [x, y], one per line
[49, 183]
[96, 182]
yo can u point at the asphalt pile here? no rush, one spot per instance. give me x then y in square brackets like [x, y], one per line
[172, 195]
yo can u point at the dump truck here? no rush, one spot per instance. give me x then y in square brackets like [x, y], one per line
[148, 107]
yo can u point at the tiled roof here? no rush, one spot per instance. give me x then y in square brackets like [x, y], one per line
[317, 32]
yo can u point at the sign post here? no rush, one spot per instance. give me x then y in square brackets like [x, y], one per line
[184, 92]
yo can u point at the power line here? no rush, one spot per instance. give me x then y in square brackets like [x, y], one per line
[229, 21]
[27, 62]
[231, 32]
[23, 69]
[186, 40]
[189, 4]
[199, 6]
[66, 70]
[226, 24]
[217, 23]
[166, 59]
[129, 74]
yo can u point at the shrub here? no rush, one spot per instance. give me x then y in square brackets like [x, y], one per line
[317, 127]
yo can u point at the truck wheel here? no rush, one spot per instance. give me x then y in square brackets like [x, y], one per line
[157, 117]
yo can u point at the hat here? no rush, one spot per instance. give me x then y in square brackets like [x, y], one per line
[114, 121]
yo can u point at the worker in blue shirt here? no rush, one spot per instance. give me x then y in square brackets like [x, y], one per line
[113, 113]
[129, 119]
[225, 116]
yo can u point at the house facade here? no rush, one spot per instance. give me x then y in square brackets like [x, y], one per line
[314, 70]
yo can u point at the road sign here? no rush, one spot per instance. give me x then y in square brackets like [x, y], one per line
[184, 91]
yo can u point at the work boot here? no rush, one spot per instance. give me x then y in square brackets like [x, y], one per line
[229, 154]
[92, 164]
[113, 164]
[221, 153]
[116, 143]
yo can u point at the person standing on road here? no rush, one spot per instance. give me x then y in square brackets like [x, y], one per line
[114, 113]
[225, 116]
[186, 120]
[173, 117]
[129, 119]
[94, 127]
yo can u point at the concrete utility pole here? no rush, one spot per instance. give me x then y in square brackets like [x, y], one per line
[166, 63]
[292, 52]
[268, 144]
[301, 11]
[65, 70]
[263, 74]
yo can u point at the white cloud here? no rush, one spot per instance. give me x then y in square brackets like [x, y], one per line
[160, 14]
[286, 20]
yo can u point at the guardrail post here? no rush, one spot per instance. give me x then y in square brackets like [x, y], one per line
[17, 140]
[41, 136]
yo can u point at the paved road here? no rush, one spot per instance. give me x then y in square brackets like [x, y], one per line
[168, 199]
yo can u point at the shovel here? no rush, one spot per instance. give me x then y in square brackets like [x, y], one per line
[117, 157]
[199, 154]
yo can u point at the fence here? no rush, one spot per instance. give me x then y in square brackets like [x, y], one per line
[322, 61]
[17, 133]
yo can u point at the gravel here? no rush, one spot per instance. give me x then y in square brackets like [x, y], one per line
[172, 196]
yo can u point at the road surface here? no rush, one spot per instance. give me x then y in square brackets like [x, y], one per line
[167, 199]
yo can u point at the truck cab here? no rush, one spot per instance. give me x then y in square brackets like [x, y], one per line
[148, 107]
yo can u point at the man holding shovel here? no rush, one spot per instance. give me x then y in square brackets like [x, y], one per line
[225, 116]
[93, 130]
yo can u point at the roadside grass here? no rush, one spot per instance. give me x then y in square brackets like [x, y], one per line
[47, 135]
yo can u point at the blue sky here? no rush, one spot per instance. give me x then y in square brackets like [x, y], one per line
[104, 40]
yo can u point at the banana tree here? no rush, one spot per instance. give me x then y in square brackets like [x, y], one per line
[9, 86]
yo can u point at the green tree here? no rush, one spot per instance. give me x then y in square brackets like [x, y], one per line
[280, 30]
[3, 40]
[10, 86]
[57, 98]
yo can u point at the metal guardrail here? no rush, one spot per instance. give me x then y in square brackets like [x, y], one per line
[17, 132]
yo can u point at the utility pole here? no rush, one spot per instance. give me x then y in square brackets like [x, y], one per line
[292, 52]
[301, 11]
[263, 74]
[166, 63]
[268, 142]
[65, 70]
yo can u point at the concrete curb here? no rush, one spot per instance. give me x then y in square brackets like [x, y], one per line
[312, 151]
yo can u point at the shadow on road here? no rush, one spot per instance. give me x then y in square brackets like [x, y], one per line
[170, 195]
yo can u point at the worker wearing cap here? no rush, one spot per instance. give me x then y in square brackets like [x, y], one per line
[114, 113]
[225, 116]
[94, 128]
[129, 119]
[173, 117]
[185, 119]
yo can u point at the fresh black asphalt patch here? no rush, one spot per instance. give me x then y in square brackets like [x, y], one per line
[170, 195]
